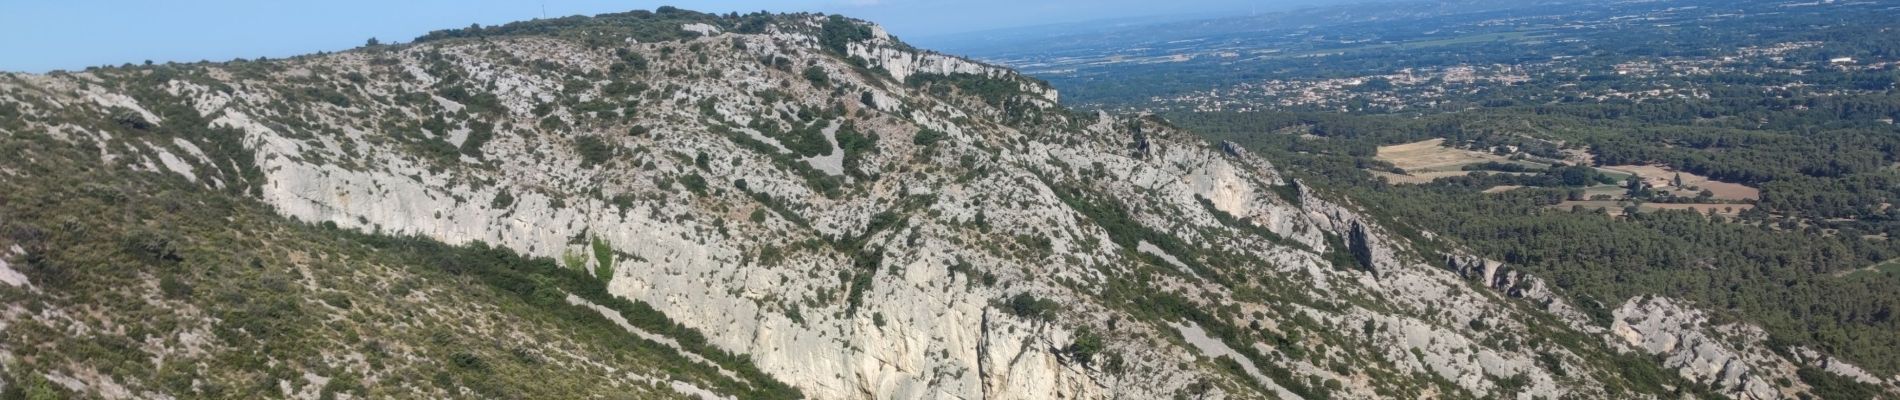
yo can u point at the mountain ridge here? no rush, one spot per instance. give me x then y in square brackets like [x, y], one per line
[812, 202]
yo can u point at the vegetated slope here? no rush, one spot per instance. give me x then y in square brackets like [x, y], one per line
[774, 205]
[138, 287]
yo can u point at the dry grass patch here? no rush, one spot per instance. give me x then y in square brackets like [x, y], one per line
[1663, 177]
[1502, 189]
[1426, 160]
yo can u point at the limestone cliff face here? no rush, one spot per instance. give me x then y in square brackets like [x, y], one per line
[902, 63]
[859, 233]
[1733, 358]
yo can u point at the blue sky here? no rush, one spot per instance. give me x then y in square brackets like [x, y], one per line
[42, 35]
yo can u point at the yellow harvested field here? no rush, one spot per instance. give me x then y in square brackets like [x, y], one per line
[1426, 160]
[1418, 177]
[1502, 189]
[1663, 177]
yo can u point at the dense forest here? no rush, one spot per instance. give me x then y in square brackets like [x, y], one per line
[1798, 102]
[1798, 280]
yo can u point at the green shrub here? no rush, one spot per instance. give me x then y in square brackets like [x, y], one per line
[694, 182]
[838, 32]
[593, 150]
[855, 146]
[864, 268]
[927, 137]
[817, 76]
[1289, 192]
[173, 288]
[573, 261]
[1029, 306]
[155, 246]
[604, 259]
[502, 200]
[1086, 345]
[479, 133]
[468, 361]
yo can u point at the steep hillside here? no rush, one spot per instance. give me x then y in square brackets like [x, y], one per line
[675, 204]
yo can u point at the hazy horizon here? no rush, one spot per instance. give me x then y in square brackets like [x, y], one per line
[74, 35]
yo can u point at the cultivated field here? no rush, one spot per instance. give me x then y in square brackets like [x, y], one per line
[1664, 177]
[1502, 189]
[1426, 160]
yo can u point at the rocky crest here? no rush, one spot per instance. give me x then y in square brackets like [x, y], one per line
[865, 220]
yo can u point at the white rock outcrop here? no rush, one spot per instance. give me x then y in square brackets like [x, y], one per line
[1732, 357]
[1014, 254]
